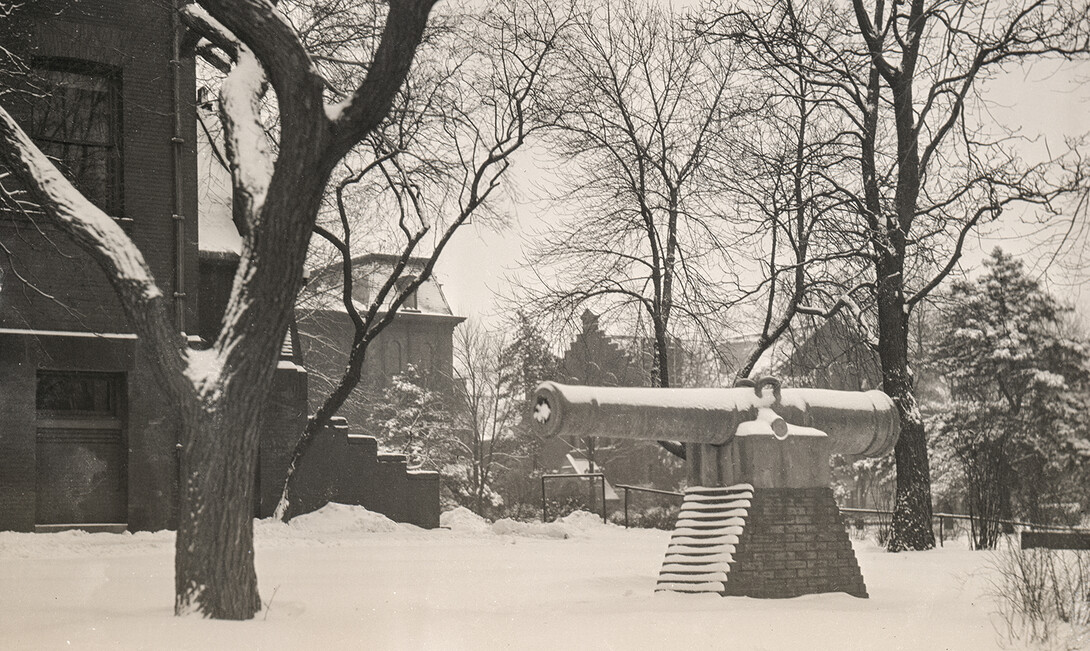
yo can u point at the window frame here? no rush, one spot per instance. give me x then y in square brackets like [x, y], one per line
[83, 418]
[115, 165]
[411, 303]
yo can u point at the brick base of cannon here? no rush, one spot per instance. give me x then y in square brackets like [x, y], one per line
[765, 542]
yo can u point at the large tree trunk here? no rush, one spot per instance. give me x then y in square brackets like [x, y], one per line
[911, 526]
[214, 551]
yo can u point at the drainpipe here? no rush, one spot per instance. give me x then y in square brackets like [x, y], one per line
[177, 153]
[177, 217]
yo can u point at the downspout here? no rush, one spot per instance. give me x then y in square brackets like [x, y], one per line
[177, 145]
[177, 216]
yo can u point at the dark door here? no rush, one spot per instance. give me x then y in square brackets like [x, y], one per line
[81, 451]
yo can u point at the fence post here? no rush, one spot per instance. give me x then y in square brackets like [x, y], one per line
[626, 507]
[543, 518]
[604, 520]
[942, 531]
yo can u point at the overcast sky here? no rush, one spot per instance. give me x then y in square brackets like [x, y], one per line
[1044, 103]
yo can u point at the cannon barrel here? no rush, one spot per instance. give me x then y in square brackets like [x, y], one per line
[857, 423]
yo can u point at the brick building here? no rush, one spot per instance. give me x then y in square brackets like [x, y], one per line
[421, 334]
[83, 435]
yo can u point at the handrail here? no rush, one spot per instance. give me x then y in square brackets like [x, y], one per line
[650, 490]
[963, 516]
[645, 490]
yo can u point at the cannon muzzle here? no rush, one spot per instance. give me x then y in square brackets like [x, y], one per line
[857, 423]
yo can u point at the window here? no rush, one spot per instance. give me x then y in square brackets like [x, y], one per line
[391, 363]
[74, 117]
[65, 394]
[410, 300]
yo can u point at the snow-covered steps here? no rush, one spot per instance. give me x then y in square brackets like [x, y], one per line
[701, 548]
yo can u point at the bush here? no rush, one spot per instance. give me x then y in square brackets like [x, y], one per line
[558, 507]
[520, 511]
[654, 517]
[1043, 596]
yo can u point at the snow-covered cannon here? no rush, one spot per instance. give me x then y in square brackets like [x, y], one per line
[758, 509]
[758, 433]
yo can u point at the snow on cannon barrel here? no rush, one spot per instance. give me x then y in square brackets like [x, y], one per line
[857, 423]
[758, 509]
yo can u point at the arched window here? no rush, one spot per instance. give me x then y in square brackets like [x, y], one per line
[392, 360]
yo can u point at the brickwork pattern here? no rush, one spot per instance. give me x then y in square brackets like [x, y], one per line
[71, 293]
[794, 543]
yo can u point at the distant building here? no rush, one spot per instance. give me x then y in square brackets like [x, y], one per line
[831, 354]
[597, 358]
[421, 333]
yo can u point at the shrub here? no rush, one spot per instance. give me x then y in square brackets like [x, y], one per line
[652, 517]
[1043, 596]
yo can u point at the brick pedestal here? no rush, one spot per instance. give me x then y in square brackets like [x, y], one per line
[763, 542]
[793, 543]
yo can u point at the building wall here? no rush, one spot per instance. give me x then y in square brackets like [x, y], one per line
[136, 38]
[70, 293]
[326, 337]
[347, 468]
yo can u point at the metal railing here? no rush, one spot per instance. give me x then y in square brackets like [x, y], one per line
[943, 517]
[656, 491]
[940, 516]
[589, 475]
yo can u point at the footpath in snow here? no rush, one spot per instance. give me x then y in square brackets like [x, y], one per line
[346, 578]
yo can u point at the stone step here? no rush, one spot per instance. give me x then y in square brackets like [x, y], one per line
[707, 524]
[705, 540]
[712, 506]
[702, 545]
[697, 555]
[703, 577]
[694, 568]
[703, 490]
[711, 587]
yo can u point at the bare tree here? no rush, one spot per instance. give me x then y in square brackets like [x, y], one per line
[217, 394]
[785, 168]
[646, 102]
[930, 166]
[486, 412]
[490, 109]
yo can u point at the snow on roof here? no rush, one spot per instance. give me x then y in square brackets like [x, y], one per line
[217, 235]
[580, 466]
[370, 272]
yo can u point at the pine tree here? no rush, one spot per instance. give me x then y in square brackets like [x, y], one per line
[413, 420]
[1016, 422]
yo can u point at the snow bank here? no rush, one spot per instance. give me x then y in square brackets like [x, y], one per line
[583, 522]
[575, 524]
[579, 523]
[462, 520]
[332, 525]
[344, 518]
[509, 527]
[75, 544]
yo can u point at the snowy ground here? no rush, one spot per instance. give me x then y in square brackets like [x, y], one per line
[346, 578]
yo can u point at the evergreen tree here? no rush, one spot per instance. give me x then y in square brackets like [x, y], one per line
[413, 420]
[1016, 420]
[527, 360]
